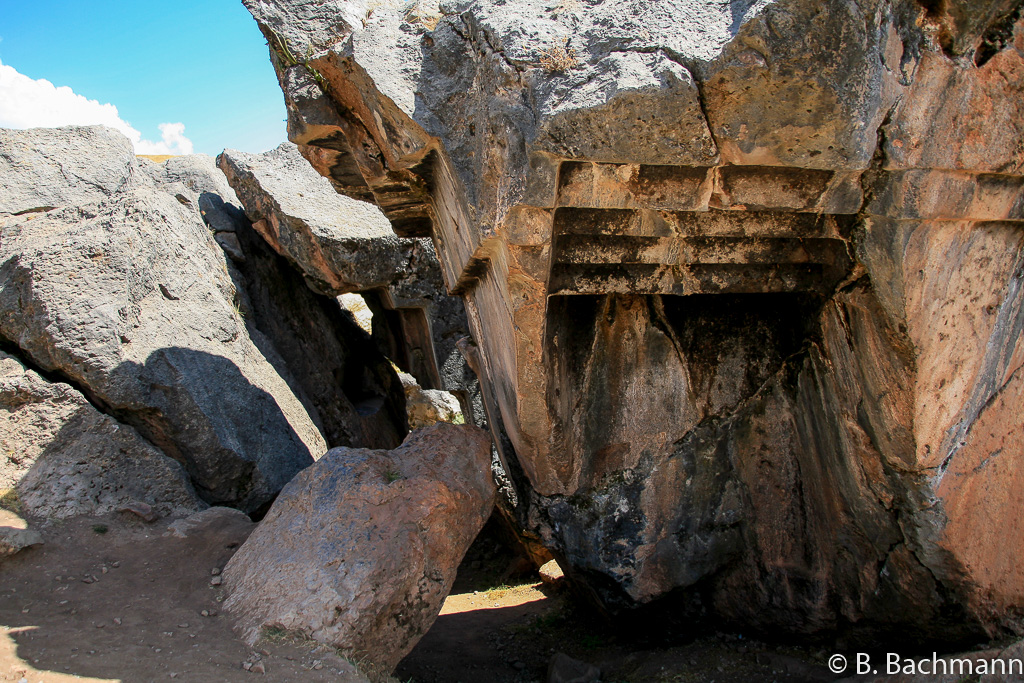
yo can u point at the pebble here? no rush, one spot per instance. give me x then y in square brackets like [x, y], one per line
[258, 668]
[216, 581]
[183, 625]
[117, 620]
[215, 571]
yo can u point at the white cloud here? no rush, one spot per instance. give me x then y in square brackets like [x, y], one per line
[29, 103]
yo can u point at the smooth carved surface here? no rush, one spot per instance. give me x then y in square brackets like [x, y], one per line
[744, 280]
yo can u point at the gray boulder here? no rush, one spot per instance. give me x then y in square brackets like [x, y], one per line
[340, 244]
[44, 168]
[15, 534]
[61, 457]
[130, 300]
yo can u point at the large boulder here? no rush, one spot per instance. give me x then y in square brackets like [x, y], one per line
[360, 549]
[61, 457]
[744, 278]
[340, 244]
[43, 168]
[128, 298]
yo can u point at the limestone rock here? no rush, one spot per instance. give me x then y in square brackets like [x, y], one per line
[47, 168]
[429, 406]
[360, 549]
[15, 534]
[62, 457]
[551, 573]
[346, 385]
[130, 299]
[343, 245]
[744, 281]
[340, 244]
[213, 520]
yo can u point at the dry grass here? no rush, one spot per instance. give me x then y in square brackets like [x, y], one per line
[157, 158]
[10, 500]
[423, 14]
[559, 58]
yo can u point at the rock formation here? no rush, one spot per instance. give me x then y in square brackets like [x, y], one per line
[360, 549]
[343, 245]
[146, 322]
[61, 457]
[744, 280]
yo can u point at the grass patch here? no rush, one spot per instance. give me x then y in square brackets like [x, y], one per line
[100, 528]
[10, 500]
[157, 158]
[559, 58]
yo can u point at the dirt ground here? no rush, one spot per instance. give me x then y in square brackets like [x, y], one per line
[114, 599]
[498, 626]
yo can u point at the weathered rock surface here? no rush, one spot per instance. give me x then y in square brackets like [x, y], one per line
[360, 549]
[46, 168]
[214, 520]
[62, 457]
[343, 245]
[551, 573]
[340, 244]
[129, 299]
[347, 386]
[429, 406]
[744, 279]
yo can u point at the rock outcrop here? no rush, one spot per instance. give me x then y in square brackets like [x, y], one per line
[129, 299]
[429, 406]
[360, 549]
[344, 245]
[744, 280]
[149, 323]
[61, 457]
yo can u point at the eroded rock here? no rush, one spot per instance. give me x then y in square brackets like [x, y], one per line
[344, 245]
[61, 457]
[129, 299]
[429, 406]
[45, 168]
[743, 281]
[360, 549]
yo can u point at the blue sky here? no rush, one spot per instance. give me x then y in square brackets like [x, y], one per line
[203, 64]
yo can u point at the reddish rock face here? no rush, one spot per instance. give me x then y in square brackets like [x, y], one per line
[360, 549]
[746, 299]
